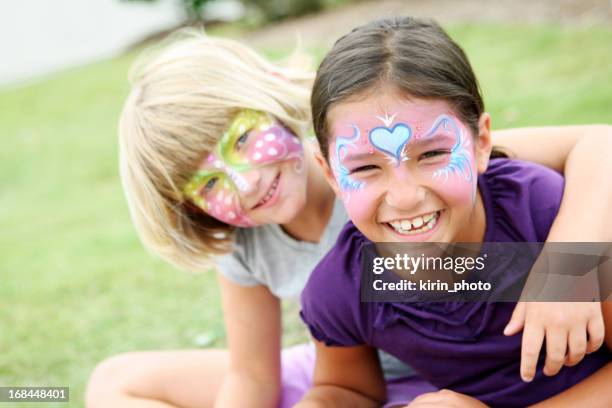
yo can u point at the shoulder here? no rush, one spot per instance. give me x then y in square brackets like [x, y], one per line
[236, 265]
[331, 306]
[522, 195]
[242, 264]
[532, 180]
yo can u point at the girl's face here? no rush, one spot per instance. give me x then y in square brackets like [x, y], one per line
[406, 169]
[255, 175]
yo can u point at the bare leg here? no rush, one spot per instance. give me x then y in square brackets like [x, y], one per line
[158, 379]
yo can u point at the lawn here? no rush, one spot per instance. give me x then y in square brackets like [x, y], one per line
[75, 283]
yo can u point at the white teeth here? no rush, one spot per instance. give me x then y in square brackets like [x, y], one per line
[419, 224]
[270, 193]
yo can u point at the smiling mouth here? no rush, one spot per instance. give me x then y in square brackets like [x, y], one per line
[271, 191]
[416, 225]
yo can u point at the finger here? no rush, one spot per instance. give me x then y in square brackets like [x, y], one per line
[576, 347]
[428, 397]
[556, 347]
[422, 405]
[437, 397]
[530, 351]
[517, 320]
[596, 331]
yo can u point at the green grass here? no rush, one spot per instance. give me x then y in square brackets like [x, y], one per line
[76, 285]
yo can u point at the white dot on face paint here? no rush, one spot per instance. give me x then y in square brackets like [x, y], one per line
[257, 156]
[220, 195]
[228, 200]
[259, 143]
[272, 151]
[270, 136]
[218, 164]
[231, 215]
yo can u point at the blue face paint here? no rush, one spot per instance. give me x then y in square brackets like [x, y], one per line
[459, 156]
[459, 162]
[391, 141]
[345, 181]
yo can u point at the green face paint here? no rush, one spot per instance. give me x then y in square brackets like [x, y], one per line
[253, 139]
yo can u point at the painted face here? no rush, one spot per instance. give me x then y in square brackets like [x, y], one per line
[253, 141]
[405, 168]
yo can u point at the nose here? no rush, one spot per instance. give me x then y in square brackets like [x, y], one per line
[250, 181]
[404, 192]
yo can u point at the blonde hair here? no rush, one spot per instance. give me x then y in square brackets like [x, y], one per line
[182, 100]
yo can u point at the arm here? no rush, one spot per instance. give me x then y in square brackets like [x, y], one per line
[549, 146]
[345, 377]
[253, 321]
[594, 391]
[580, 153]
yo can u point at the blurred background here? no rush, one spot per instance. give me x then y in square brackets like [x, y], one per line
[75, 283]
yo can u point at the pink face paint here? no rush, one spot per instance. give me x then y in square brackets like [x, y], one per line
[414, 154]
[254, 139]
[459, 164]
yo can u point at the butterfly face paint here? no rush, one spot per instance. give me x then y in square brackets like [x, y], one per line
[458, 163]
[254, 139]
[398, 159]
[346, 182]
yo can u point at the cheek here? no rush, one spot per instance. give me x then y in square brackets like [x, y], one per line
[457, 179]
[272, 146]
[361, 204]
[457, 187]
[224, 205]
[294, 176]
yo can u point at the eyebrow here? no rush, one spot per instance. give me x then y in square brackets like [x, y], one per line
[433, 139]
[353, 157]
[359, 156]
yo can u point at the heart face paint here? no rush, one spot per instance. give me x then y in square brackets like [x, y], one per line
[254, 139]
[419, 160]
[391, 141]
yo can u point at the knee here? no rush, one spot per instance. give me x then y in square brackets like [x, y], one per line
[107, 380]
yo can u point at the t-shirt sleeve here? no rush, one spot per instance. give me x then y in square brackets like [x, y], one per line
[546, 192]
[525, 198]
[235, 265]
[331, 307]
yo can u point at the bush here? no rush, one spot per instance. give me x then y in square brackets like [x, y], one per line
[274, 10]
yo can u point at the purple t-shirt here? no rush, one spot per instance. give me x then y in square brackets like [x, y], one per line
[454, 345]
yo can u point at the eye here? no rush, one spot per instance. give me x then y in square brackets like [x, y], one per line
[241, 141]
[364, 168]
[210, 184]
[433, 153]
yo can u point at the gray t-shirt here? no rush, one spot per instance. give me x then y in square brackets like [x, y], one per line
[266, 255]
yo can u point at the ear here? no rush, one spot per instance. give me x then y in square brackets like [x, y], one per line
[327, 171]
[483, 146]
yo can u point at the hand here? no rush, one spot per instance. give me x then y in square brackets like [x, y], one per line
[446, 399]
[573, 327]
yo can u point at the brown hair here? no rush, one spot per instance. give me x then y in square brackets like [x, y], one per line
[416, 56]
